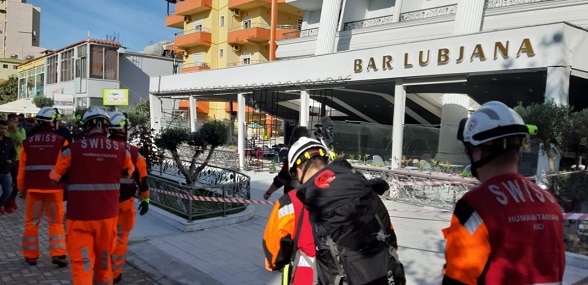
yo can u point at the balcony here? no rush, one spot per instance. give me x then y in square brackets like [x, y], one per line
[196, 66]
[284, 29]
[191, 7]
[248, 4]
[299, 34]
[255, 33]
[193, 38]
[174, 21]
[246, 61]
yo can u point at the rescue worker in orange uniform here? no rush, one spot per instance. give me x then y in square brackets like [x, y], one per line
[508, 230]
[128, 188]
[288, 228]
[95, 166]
[37, 157]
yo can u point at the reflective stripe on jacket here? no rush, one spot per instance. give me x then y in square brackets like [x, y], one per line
[95, 166]
[508, 230]
[128, 186]
[37, 157]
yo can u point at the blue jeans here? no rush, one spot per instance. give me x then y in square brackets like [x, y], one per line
[6, 187]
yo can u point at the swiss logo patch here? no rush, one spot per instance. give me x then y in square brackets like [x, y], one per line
[323, 179]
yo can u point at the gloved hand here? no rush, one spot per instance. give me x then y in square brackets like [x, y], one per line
[379, 185]
[22, 194]
[144, 207]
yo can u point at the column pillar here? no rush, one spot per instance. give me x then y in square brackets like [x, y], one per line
[557, 86]
[454, 108]
[304, 107]
[325, 42]
[468, 17]
[154, 112]
[398, 123]
[193, 114]
[241, 129]
[397, 10]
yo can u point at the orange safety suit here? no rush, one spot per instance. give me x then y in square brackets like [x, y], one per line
[95, 165]
[126, 211]
[280, 234]
[37, 157]
[506, 231]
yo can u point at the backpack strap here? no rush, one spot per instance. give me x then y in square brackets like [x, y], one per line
[340, 279]
[290, 269]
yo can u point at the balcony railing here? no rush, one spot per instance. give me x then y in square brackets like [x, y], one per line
[193, 64]
[195, 30]
[429, 13]
[300, 34]
[368, 23]
[252, 25]
[248, 62]
[504, 3]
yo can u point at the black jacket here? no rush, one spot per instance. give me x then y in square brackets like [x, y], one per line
[7, 152]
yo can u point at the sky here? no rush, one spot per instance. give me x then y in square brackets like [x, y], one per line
[135, 23]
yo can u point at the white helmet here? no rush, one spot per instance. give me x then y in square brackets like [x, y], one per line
[493, 120]
[303, 150]
[48, 114]
[118, 121]
[96, 115]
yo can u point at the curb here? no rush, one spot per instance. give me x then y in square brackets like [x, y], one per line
[576, 260]
[165, 268]
[190, 226]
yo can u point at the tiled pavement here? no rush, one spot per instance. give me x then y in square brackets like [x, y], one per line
[13, 269]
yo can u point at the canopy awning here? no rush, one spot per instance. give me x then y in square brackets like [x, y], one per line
[24, 106]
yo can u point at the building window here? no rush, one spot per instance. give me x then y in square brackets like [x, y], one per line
[103, 63]
[221, 21]
[96, 62]
[198, 28]
[67, 68]
[221, 52]
[246, 24]
[5, 66]
[52, 69]
[246, 61]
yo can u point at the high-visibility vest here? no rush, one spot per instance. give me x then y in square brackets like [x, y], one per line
[41, 151]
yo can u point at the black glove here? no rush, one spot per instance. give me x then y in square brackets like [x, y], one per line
[379, 185]
[144, 207]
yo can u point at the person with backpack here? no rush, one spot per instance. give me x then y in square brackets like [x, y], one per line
[508, 230]
[354, 238]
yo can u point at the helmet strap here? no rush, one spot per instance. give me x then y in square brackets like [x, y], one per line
[496, 150]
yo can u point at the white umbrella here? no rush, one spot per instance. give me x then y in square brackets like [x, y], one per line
[24, 106]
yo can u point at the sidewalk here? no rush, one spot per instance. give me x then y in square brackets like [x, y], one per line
[233, 255]
[13, 269]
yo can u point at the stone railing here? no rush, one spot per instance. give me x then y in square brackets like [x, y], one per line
[429, 13]
[504, 3]
[368, 23]
[300, 34]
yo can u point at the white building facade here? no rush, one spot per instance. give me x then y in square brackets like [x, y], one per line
[401, 63]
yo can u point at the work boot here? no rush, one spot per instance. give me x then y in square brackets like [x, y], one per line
[9, 209]
[117, 279]
[31, 261]
[61, 261]
[2, 211]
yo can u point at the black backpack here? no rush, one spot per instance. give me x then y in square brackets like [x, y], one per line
[352, 229]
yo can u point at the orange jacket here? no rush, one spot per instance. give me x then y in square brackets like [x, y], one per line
[37, 157]
[508, 230]
[95, 165]
[128, 186]
[280, 233]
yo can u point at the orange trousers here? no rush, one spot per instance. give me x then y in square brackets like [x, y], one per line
[51, 203]
[89, 246]
[126, 222]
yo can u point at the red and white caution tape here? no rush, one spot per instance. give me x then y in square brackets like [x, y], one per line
[212, 199]
[566, 216]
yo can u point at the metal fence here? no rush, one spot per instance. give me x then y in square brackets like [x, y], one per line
[439, 190]
[169, 191]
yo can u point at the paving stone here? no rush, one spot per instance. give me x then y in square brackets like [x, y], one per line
[14, 271]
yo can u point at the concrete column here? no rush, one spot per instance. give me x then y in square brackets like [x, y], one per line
[155, 113]
[325, 42]
[454, 108]
[241, 129]
[557, 86]
[398, 123]
[468, 18]
[397, 9]
[304, 107]
[193, 114]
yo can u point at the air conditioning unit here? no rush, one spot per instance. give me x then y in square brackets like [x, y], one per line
[236, 48]
[236, 13]
[187, 19]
